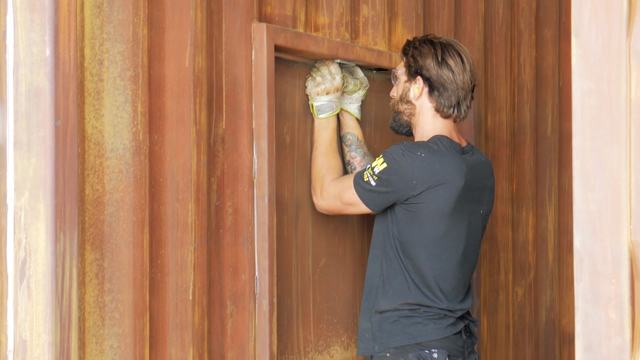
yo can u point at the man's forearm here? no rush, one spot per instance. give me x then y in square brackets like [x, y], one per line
[354, 150]
[326, 164]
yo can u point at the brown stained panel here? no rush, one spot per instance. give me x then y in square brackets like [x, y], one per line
[320, 259]
[288, 13]
[565, 198]
[470, 33]
[178, 127]
[496, 259]
[114, 221]
[67, 102]
[547, 147]
[370, 23]
[231, 237]
[524, 180]
[406, 19]
[440, 17]
[329, 18]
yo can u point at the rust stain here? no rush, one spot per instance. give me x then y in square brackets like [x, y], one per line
[114, 213]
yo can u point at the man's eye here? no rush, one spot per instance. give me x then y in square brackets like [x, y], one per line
[394, 78]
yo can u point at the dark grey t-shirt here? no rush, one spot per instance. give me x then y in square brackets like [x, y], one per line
[433, 200]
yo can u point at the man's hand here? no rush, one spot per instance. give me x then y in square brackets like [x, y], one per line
[324, 88]
[354, 89]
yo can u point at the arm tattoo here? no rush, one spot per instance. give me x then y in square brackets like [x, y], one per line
[356, 155]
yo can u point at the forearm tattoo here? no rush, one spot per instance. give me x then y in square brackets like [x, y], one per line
[356, 155]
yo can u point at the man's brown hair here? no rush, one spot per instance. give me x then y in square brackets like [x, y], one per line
[445, 67]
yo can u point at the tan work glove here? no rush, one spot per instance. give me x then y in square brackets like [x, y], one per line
[324, 87]
[354, 89]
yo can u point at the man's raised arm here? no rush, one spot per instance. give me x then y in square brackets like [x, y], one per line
[331, 190]
[354, 89]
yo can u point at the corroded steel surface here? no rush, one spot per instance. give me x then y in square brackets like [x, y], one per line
[114, 175]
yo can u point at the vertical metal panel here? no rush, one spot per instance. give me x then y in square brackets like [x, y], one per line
[114, 175]
[601, 188]
[34, 228]
[565, 296]
[406, 20]
[547, 152]
[231, 233]
[67, 191]
[329, 18]
[470, 33]
[525, 273]
[265, 188]
[440, 17]
[496, 294]
[178, 128]
[287, 13]
[370, 23]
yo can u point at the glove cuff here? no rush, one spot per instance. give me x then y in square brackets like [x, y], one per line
[325, 106]
[353, 103]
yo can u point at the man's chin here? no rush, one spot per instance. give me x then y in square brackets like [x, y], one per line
[400, 126]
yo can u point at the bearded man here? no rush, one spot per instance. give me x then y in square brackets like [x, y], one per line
[432, 198]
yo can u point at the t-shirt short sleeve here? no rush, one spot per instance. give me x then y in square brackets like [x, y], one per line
[386, 181]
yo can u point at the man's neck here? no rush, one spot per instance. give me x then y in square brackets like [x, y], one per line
[426, 127]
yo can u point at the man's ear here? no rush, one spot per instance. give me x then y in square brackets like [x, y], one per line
[417, 88]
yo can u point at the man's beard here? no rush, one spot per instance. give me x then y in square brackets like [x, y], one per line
[403, 111]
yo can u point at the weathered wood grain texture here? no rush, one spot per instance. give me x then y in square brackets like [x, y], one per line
[114, 296]
[329, 18]
[471, 34]
[547, 166]
[288, 13]
[178, 133]
[406, 20]
[231, 253]
[525, 276]
[547, 176]
[370, 23]
[496, 259]
[67, 166]
[566, 295]
[33, 145]
[601, 179]
[440, 17]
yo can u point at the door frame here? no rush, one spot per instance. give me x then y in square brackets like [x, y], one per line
[269, 42]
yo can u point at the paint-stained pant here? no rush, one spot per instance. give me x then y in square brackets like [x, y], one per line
[459, 346]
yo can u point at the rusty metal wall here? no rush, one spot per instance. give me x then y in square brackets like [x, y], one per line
[154, 212]
[114, 176]
[522, 119]
[178, 128]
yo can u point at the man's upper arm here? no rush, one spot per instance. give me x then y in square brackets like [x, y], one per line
[341, 198]
[384, 182]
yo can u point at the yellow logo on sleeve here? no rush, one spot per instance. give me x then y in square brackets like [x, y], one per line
[378, 164]
[374, 169]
